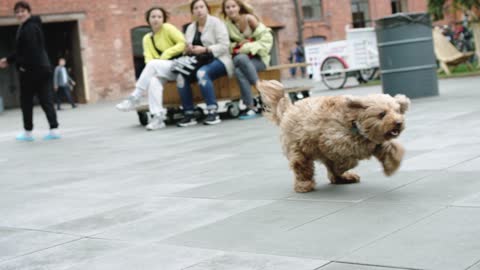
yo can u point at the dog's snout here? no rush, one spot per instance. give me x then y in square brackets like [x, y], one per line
[398, 124]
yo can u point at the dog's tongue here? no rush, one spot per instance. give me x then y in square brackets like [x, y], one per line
[394, 132]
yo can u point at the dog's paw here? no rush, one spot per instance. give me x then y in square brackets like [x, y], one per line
[304, 186]
[347, 178]
[393, 158]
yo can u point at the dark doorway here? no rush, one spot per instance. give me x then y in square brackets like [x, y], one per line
[62, 40]
[8, 77]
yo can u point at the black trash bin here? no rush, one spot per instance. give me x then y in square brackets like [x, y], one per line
[407, 59]
[1, 104]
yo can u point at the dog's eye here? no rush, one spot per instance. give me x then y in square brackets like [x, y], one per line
[382, 114]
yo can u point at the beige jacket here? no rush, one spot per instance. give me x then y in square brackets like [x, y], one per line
[215, 38]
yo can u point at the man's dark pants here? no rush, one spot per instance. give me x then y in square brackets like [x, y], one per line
[37, 83]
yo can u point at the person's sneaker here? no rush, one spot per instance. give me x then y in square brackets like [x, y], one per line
[128, 104]
[188, 120]
[248, 114]
[25, 136]
[156, 123]
[212, 118]
[52, 135]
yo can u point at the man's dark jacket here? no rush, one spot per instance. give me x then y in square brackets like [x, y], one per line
[30, 53]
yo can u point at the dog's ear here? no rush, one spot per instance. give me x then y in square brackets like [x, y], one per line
[404, 102]
[355, 103]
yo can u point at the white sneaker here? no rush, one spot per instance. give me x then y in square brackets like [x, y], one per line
[128, 104]
[156, 123]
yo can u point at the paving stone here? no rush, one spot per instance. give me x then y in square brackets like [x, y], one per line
[445, 240]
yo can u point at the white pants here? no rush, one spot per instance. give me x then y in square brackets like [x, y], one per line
[155, 74]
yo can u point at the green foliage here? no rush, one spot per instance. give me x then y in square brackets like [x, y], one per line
[437, 7]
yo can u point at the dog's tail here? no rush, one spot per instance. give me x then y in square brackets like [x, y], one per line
[274, 100]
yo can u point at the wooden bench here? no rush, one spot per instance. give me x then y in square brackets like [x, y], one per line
[226, 89]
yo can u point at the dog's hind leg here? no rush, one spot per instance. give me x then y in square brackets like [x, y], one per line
[340, 175]
[303, 168]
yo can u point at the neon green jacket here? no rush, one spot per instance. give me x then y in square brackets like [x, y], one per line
[261, 46]
[169, 40]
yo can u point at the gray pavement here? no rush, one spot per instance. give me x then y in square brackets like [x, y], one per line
[110, 195]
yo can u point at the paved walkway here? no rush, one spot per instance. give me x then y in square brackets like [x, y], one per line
[110, 195]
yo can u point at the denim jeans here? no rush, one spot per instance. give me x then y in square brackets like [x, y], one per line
[205, 77]
[246, 72]
[63, 91]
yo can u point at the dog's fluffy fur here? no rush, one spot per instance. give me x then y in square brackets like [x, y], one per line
[338, 131]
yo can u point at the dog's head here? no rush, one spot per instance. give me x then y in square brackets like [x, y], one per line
[379, 117]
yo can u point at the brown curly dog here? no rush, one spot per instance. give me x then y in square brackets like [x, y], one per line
[338, 131]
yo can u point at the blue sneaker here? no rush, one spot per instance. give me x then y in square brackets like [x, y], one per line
[52, 135]
[49, 137]
[25, 137]
[249, 114]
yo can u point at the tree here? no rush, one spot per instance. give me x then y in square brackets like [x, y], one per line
[299, 21]
[438, 7]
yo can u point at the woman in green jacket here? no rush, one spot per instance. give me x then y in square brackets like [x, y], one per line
[251, 42]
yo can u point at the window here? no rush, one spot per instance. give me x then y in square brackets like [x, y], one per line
[399, 6]
[360, 13]
[312, 9]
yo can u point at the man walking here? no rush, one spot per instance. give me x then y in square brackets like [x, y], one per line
[35, 71]
[62, 83]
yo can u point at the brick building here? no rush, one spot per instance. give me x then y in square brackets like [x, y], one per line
[96, 36]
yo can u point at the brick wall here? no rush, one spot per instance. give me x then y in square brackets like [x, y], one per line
[105, 32]
[337, 14]
[105, 38]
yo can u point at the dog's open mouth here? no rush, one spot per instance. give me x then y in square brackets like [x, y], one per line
[393, 133]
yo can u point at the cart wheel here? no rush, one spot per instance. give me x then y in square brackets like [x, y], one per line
[293, 97]
[333, 73]
[169, 119]
[233, 110]
[366, 75]
[258, 103]
[143, 117]
[199, 114]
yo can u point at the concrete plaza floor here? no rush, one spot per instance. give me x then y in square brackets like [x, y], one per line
[110, 195]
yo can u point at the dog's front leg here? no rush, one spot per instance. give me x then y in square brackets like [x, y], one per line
[390, 154]
[303, 169]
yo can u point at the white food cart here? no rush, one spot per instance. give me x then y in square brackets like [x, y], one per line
[333, 62]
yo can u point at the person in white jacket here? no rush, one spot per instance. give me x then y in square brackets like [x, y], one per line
[207, 39]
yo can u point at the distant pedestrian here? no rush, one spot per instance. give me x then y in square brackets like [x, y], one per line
[63, 84]
[35, 71]
[297, 55]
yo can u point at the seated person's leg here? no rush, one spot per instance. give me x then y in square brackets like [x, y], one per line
[155, 104]
[185, 92]
[154, 68]
[205, 77]
[246, 72]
